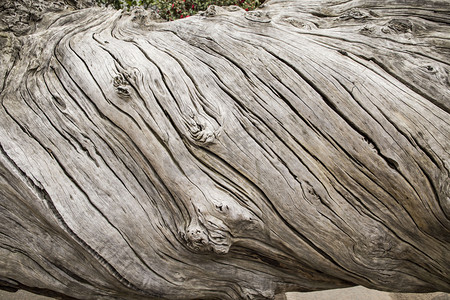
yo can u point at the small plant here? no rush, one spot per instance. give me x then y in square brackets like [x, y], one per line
[178, 9]
[118, 4]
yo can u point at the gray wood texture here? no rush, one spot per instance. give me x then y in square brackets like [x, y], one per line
[230, 155]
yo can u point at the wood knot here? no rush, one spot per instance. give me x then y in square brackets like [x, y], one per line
[236, 217]
[200, 239]
[356, 14]
[122, 86]
[211, 11]
[216, 223]
[257, 16]
[306, 25]
[367, 30]
[400, 26]
[145, 17]
[310, 194]
[378, 243]
[430, 69]
[201, 131]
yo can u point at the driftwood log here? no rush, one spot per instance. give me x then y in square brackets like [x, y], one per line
[230, 155]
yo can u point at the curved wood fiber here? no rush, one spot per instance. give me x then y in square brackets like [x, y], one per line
[231, 155]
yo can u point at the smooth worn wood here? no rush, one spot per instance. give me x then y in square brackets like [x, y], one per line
[230, 155]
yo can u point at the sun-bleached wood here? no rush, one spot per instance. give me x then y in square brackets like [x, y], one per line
[230, 155]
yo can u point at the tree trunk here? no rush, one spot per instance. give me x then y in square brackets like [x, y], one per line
[229, 155]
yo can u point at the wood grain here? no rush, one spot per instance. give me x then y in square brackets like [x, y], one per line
[230, 155]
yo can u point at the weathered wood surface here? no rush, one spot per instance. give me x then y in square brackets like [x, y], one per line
[230, 155]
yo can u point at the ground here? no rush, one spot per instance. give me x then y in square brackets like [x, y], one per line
[355, 293]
